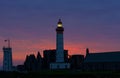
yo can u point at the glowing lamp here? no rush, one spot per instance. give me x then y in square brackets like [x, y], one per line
[59, 25]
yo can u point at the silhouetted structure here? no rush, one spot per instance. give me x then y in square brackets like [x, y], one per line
[32, 63]
[87, 51]
[102, 61]
[50, 57]
[39, 62]
[76, 61]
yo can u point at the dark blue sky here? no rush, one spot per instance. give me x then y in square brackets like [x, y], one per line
[30, 24]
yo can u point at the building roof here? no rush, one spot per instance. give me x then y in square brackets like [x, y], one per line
[103, 57]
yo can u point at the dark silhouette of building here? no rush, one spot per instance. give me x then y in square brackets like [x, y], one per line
[76, 61]
[102, 61]
[39, 62]
[87, 51]
[50, 56]
[32, 63]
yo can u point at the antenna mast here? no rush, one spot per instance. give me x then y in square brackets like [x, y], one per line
[8, 43]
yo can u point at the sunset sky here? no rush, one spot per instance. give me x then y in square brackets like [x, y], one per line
[30, 25]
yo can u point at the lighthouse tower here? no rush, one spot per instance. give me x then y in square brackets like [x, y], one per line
[7, 57]
[60, 63]
[59, 42]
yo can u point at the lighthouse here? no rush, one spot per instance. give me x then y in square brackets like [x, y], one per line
[60, 63]
[59, 42]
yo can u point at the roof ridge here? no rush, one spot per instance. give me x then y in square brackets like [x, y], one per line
[106, 52]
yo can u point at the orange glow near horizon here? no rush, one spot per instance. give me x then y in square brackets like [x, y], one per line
[21, 48]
